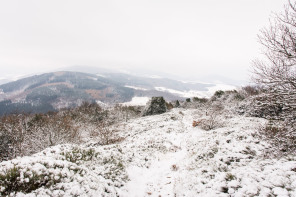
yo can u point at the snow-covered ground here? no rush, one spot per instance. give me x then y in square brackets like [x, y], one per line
[137, 101]
[163, 155]
[136, 88]
[100, 75]
[194, 93]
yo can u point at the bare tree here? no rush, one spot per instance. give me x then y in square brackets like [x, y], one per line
[277, 71]
[279, 42]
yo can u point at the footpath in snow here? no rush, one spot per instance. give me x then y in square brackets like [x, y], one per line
[163, 155]
[193, 162]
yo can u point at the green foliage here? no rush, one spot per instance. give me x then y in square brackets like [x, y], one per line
[17, 179]
[200, 100]
[229, 177]
[219, 93]
[78, 155]
[115, 169]
[239, 97]
[188, 100]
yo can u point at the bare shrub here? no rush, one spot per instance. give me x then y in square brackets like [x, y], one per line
[278, 134]
[25, 134]
[174, 167]
[213, 117]
[200, 100]
[108, 135]
[251, 90]
[125, 113]
[169, 105]
[13, 130]
[196, 123]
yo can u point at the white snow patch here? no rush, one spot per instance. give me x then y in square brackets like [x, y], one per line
[137, 101]
[102, 104]
[223, 87]
[93, 78]
[194, 93]
[185, 94]
[136, 88]
[100, 75]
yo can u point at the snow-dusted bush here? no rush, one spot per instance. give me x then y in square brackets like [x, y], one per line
[64, 170]
[125, 113]
[250, 90]
[105, 134]
[13, 130]
[78, 155]
[276, 73]
[27, 176]
[200, 100]
[213, 117]
[284, 142]
[169, 105]
[280, 112]
[26, 134]
[219, 93]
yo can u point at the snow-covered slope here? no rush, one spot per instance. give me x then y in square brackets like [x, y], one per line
[161, 155]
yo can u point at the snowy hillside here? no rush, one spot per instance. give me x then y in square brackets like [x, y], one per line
[161, 155]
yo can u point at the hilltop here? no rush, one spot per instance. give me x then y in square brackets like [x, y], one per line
[65, 89]
[160, 155]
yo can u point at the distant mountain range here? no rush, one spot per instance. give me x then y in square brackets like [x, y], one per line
[64, 89]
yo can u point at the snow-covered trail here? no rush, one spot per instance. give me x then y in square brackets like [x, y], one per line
[163, 155]
[159, 179]
[162, 176]
[171, 158]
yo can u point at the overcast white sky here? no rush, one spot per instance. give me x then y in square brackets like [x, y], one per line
[183, 37]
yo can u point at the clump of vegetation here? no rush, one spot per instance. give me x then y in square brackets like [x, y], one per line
[26, 134]
[78, 155]
[238, 96]
[107, 135]
[174, 167]
[219, 93]
[229, 177]
[278, 134]
[169, 105]
[177, 103]
[115, 168]
[213, 117]
[276, 74]
[199, 100]
[128, 112]
[25, 179]
[251, 90]
[15, 180]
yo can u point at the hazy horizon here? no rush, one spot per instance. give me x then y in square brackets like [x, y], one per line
[188, 39]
